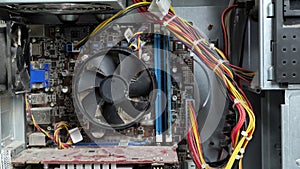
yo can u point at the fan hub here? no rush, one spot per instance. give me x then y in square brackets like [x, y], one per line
[113, 89]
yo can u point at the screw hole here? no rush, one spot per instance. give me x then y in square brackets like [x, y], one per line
[294, 36]
[284, 37]
[284, 49]
[284, 75]
[294, 62]
[294, 49]
[284, 62]
[294, 74]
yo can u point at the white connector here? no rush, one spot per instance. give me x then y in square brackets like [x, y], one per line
[128, 34]
[168, 138]
[75, 135]
[160, 8]
[159, 138]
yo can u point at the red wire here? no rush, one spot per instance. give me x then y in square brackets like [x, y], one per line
[242, 78]
[192, 146]
[239, 68]
[224, 28]
[191, 34]
[196, 124]
[241, 121]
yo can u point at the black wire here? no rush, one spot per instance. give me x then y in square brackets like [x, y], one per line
[243, 41]
[219, 164]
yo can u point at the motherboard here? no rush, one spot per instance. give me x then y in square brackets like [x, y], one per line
[53, 57]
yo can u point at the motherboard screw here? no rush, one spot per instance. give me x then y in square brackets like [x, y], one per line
[146, 57]
[84, 57]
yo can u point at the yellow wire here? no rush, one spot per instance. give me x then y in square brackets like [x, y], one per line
[196, 135]
[236, 94]
[58, 125]
[171, 7]
[241, 164]
[104, 23]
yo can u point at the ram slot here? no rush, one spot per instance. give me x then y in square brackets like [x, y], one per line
[164, 89]
[169, 90]
[157, 68]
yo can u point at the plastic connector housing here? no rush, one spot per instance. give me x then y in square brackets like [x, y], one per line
[75, 135]
[160, 8]
[39, 77]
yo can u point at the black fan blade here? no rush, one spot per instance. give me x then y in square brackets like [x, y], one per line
[99, 79]
[110, 114]
[89, 103]
[87, 80]
[108, 65]
[142, 86]
[133, 108]
[121, 57]
[129, 67]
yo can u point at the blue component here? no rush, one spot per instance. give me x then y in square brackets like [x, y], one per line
[40, 76]
[70, 48]
[157, 67]
[159, 84]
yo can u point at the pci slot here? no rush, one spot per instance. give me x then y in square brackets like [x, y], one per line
[157, 68]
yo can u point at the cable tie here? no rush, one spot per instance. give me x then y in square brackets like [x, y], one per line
[242, 151]
[249, 138]
[166, 23]
[196, 42]
[212, 46]
[244, 133]
[238, 157]
[237, 101]
[220, 62]
[203, 166]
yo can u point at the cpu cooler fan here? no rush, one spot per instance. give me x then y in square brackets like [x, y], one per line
[122, 95]
[113, 88]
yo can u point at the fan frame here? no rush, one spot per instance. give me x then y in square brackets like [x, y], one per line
[79, 109]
